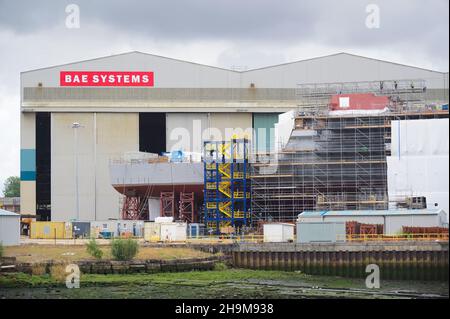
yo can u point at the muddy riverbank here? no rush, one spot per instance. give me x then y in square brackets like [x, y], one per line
[226, 283]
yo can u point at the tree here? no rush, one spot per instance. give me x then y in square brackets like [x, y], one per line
[12, 187]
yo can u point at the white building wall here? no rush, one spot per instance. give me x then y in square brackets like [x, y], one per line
[394, 224]
[360, 219]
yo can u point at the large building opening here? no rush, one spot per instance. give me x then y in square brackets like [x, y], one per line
[43, 166]
[152, 132]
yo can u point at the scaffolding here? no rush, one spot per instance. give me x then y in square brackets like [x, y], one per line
[167, 204]
[134, 209]
[187, 207]
[226, 185]
[334, 162]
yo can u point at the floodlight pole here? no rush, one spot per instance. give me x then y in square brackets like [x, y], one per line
[75, 126]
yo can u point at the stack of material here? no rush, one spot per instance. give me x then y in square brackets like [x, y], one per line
[352, 228]
[159, 159]
[425, 230]
[355, 228]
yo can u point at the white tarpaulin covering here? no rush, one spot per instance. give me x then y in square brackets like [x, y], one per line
[283, 129]
[420, 137]
[419, 165]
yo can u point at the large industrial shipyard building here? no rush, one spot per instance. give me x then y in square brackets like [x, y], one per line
[335, 148]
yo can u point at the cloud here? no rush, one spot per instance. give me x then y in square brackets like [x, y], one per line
[403, 23]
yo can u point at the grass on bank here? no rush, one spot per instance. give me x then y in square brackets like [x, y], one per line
[196, 278]
[41, 253]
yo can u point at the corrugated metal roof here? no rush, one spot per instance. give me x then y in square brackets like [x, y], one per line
[371, 212]
[8, 213]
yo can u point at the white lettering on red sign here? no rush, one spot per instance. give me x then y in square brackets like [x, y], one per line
[106, 78]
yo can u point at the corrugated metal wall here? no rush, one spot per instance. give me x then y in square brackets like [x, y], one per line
[320, 232]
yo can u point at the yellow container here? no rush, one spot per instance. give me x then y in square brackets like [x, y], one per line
[152, 232]
[50, 230]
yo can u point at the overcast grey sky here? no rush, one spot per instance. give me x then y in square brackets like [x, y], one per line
[225, 33]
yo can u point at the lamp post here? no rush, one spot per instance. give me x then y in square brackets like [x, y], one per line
[75, 127]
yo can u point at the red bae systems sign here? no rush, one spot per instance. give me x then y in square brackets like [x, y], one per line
[105, 78]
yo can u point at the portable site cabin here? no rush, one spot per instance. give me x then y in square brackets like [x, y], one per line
[173, 231]
[278, 232]
[152, 231]
[81, 229]
[50, 230]
[196, 230]
[117, 228]
[9, 228]
[314, 232]
[104, 229]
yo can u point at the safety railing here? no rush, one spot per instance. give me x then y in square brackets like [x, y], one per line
[227, 238]
[211, 205]
[211, 186]
[395, 237]
[240, 194]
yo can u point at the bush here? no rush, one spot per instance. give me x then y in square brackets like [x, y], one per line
[58, 272]
[93, 249]
[1, 249]
[124, 249]
[220, 266]
[38, 269]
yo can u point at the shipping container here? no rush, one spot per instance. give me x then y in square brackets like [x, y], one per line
[81, 229]
[130, 228]
[278, 233]
[50, 230]
[152, 232]
[173, 231]
[320, 232]
[104, 229]
[117, 228]
[196, 230]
